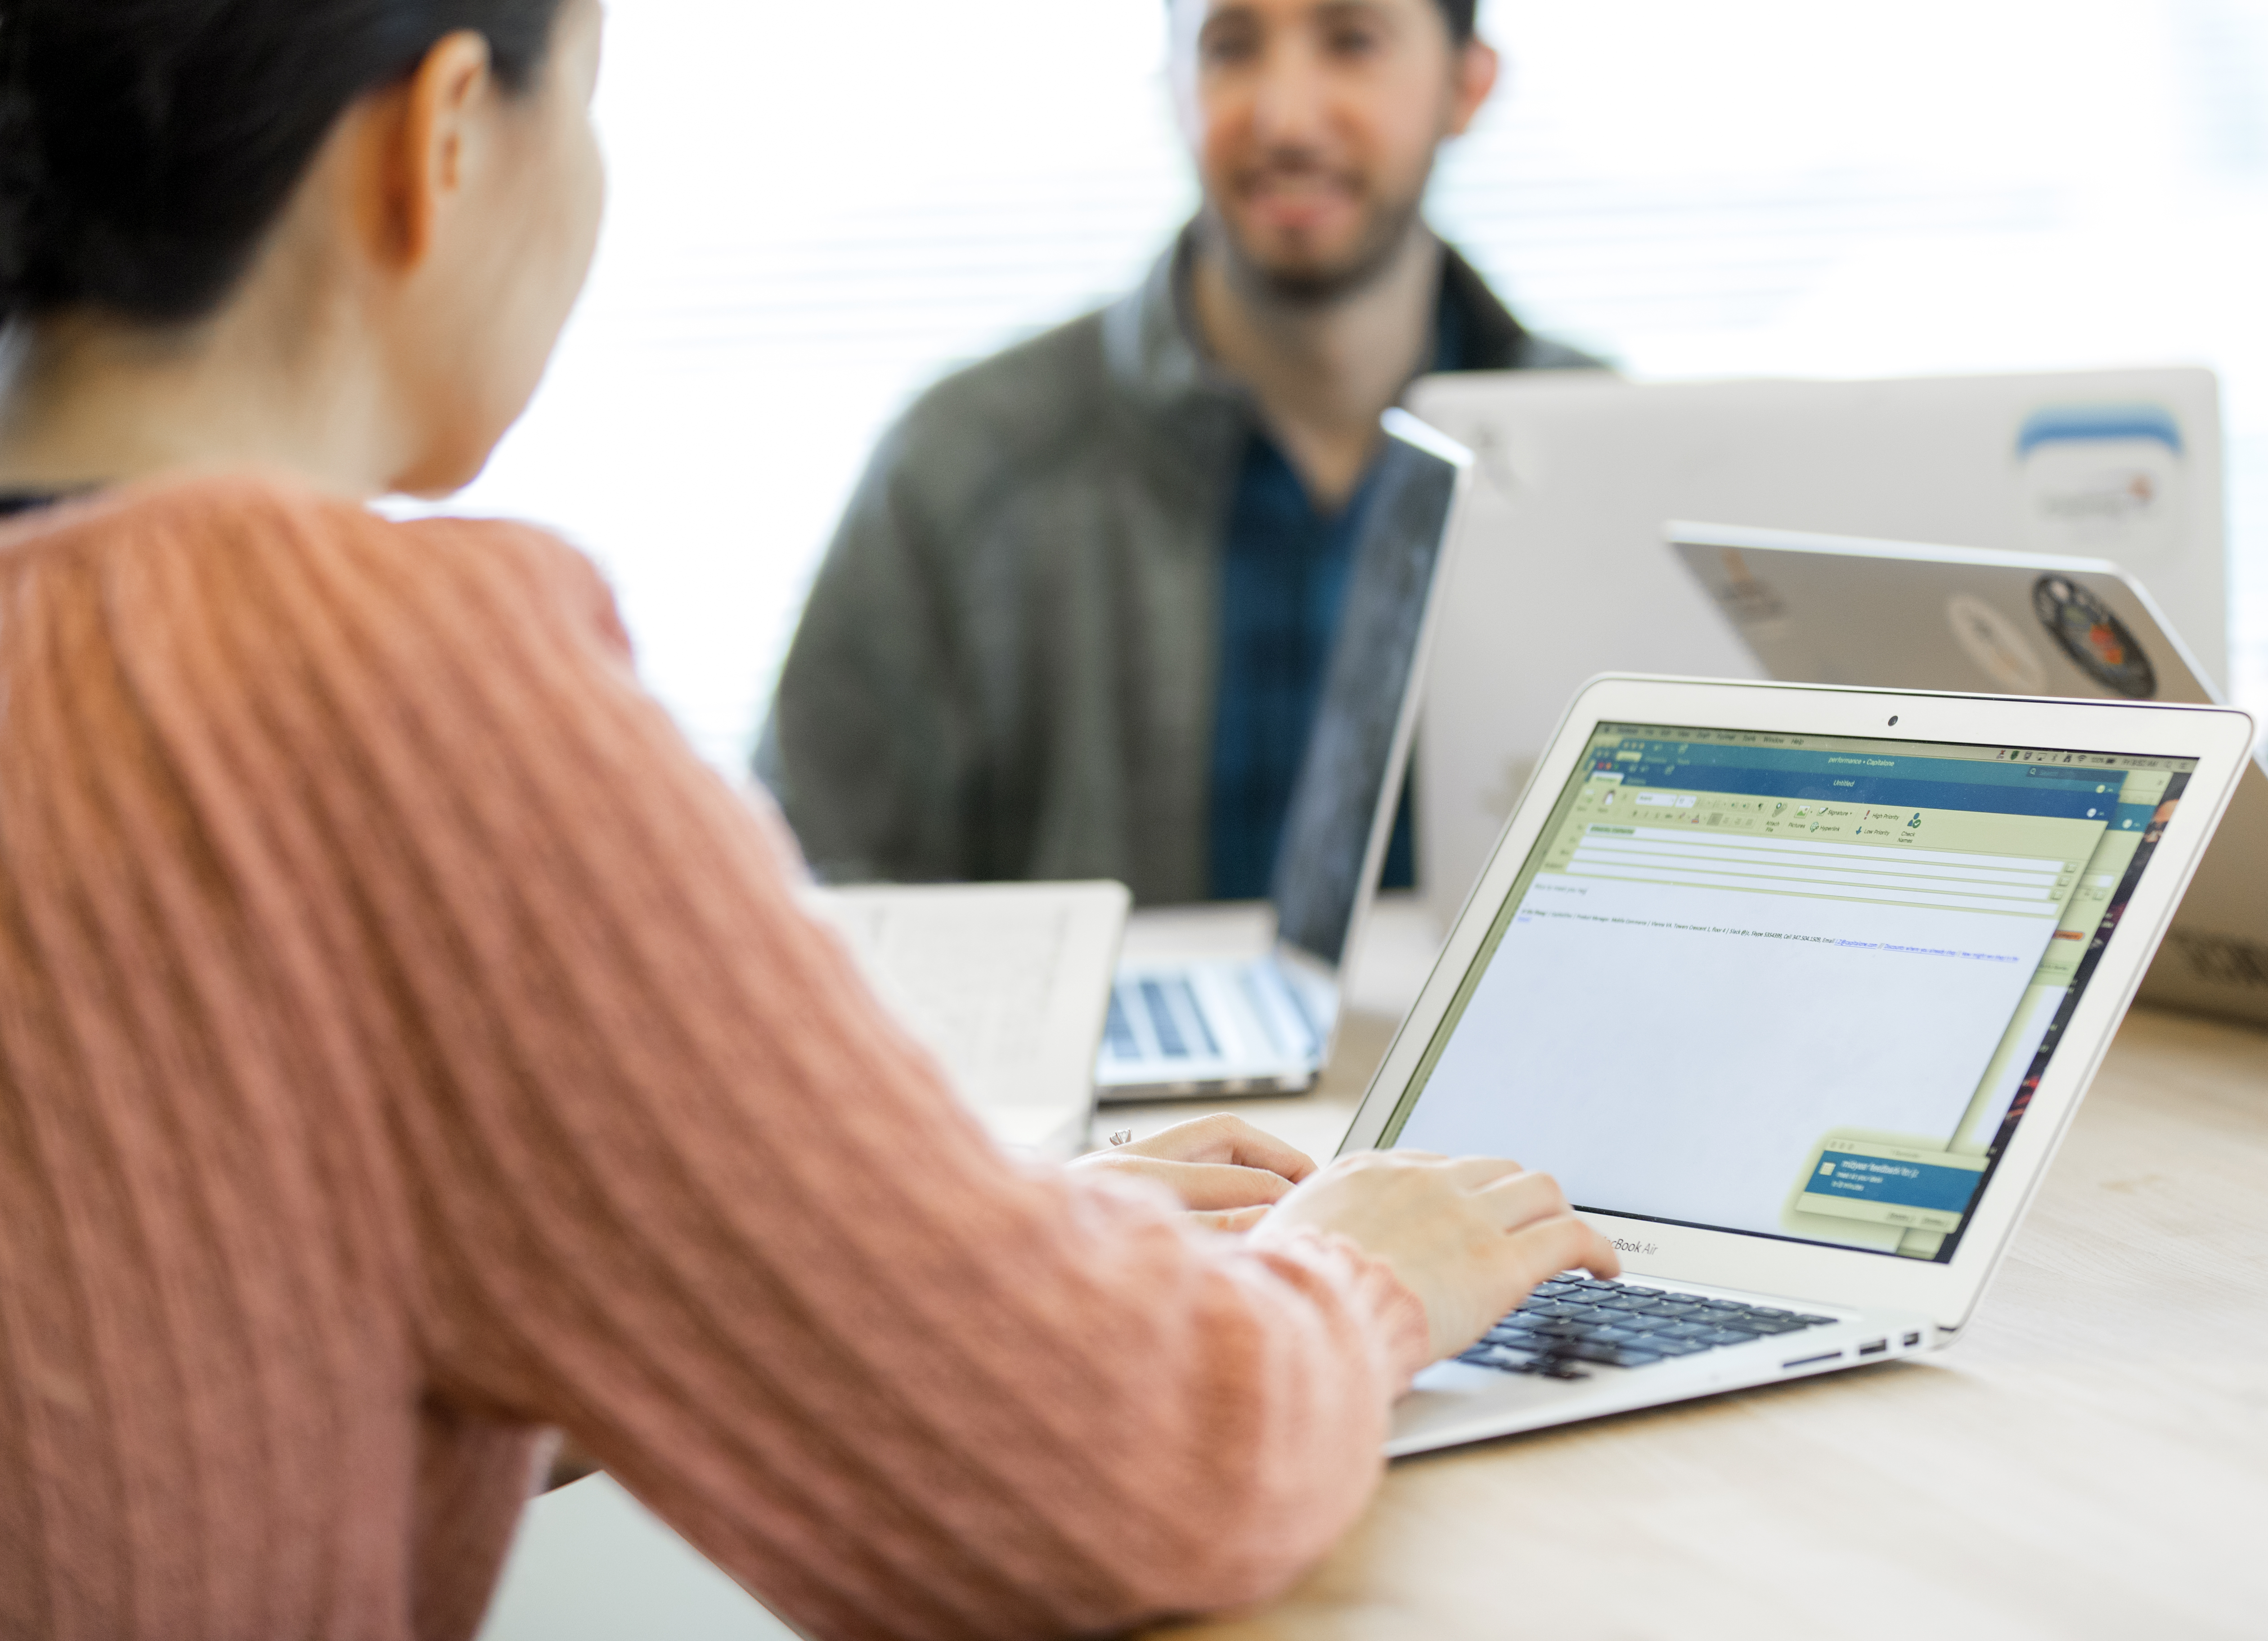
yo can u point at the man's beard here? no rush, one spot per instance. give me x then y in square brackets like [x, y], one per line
[1317, 286]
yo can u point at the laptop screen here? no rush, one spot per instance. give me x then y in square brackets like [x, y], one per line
[1789, 985]
[1341, 816]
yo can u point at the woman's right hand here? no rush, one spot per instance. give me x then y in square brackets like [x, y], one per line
[1469, 1236]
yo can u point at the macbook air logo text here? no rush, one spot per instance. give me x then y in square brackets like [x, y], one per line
[1622, 1247]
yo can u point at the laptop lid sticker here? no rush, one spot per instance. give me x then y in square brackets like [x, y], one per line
[2096, 640]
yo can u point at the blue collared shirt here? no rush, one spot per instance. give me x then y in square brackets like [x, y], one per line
[1284, 576]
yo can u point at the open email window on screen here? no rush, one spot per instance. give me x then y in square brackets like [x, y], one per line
[1806, 979]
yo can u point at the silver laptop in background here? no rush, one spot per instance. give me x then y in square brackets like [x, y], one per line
[1244, 999]
[1897, 615]
[1561, 576]
[1795, 990]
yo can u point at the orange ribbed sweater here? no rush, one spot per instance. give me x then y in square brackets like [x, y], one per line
[407, 1045]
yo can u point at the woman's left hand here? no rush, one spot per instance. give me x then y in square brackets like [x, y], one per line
[1226, 1172]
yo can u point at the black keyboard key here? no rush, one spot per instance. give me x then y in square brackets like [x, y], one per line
[1551, 1365]
[1495, 1356]
[1613, 1355]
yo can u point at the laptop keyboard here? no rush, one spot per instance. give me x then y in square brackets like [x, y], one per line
[1169, 1007]
[1572, 1321]
[1165, 1016]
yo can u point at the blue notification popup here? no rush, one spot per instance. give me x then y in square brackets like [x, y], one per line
[1894, 1184]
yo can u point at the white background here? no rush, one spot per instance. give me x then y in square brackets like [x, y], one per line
[818, 208]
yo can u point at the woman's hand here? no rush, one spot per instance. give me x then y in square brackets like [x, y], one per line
[1225, 1171]
[1468, 1236]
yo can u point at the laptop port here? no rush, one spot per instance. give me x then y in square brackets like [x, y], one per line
[1912, 1340]
[1807, 1361]
[1873, 1347]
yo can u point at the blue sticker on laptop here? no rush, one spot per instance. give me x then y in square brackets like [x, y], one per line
[2094, 638]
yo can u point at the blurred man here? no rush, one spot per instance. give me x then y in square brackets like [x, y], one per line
[1077, 619]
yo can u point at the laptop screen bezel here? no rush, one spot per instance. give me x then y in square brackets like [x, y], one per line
[2219, 739]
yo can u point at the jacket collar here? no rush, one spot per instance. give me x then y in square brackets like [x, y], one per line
[1150, 350]
[1489, 339]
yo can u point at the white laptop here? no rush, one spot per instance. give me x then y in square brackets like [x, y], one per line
[1003, 982]
[1562, 575]
[1794, 989]
[1244, 999]
[1833, 610]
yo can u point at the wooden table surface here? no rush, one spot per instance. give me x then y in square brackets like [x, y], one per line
[2090, 1459]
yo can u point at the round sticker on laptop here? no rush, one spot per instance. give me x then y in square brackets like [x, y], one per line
[2094, 638]
[1996, 645]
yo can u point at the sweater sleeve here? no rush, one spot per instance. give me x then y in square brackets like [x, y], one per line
[675, 1183]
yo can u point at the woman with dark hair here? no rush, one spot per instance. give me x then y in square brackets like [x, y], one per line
[408, 1048]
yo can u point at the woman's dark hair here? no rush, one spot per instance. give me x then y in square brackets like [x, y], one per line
[146, 146]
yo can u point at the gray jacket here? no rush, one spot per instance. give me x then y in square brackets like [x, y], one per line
[1007, 668]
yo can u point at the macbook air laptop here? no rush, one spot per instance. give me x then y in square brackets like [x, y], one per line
[1561, 575]
[1246, 1000]
[1833, 610]
[1003, 982]
[1794, 989]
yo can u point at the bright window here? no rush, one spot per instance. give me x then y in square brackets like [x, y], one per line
[817, 209]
